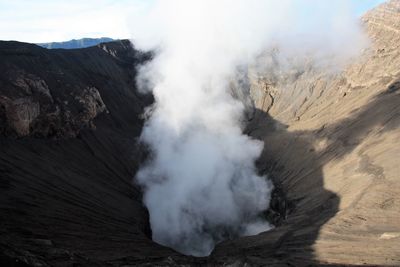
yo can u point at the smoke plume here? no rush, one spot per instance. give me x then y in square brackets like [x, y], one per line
[200, 182]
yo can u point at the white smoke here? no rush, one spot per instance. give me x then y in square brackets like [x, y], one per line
[200, 183]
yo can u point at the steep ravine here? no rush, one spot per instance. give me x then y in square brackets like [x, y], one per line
[69, 120]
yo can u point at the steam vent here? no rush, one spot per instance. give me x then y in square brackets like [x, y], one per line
[70, 121]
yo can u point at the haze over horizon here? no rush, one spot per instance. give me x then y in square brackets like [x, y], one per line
[55, 21]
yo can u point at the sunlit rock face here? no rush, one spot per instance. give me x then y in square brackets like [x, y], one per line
[331, 140]
[331, 146]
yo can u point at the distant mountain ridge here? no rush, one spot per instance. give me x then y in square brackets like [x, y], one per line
[76, 43]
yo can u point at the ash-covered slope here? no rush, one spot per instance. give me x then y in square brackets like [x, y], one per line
[68, 153]
[68, 123]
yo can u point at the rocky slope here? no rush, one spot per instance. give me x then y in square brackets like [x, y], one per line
[68, 123]
[332, 144]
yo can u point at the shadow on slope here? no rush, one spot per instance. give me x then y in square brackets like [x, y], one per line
[295, 164]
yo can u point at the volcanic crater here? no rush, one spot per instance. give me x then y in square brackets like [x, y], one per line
[70, 122]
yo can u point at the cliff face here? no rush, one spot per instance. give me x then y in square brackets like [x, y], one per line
[69, 120]
[332, 145]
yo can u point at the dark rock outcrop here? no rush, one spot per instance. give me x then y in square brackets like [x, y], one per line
[59, 92]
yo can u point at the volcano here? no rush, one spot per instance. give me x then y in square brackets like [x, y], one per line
[69, 127]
